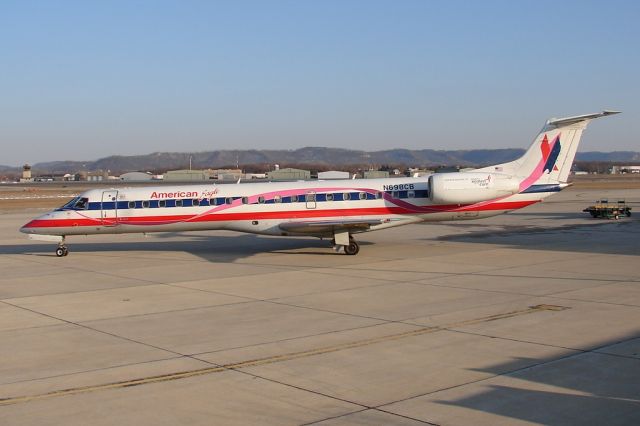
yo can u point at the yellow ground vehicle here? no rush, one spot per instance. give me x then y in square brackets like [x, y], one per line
[607, 210]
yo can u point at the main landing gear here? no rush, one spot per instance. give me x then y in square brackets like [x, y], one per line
[352, 248]
[62, 249]
[343, 242]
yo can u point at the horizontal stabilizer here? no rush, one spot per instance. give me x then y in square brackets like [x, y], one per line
[559, 122]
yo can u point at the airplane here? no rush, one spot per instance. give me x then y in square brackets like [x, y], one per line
[325, 209]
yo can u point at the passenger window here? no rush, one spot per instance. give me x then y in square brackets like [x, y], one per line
[277, 199]
[362, 195]
[145, 204]
[132, 204]
[310, 197]
[395, 194]
[213, 201]
[294, 198]
[346, 196]
[411, 194]
[378, 195]
[229, 200]
[162, 203]
[245, 200]
[178, 203]
[261, 199]
[329, 197]
[195, 202]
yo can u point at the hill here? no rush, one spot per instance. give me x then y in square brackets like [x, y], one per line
[328, 157]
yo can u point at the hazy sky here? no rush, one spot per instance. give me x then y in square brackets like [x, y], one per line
[81, 80]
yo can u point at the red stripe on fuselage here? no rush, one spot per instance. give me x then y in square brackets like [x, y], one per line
[264, 215]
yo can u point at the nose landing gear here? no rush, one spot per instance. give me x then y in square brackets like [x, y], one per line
[62, 249]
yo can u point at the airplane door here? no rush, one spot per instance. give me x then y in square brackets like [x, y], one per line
[109, 208]
[310, 200]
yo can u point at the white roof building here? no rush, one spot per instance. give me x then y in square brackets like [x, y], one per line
[136, 176]
[333, 174]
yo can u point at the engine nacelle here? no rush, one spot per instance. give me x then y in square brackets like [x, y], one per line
[470, 187]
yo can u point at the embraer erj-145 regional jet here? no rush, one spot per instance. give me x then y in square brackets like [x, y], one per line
[335, 209]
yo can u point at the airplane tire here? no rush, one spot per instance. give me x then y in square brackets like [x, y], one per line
[60, 252]
[66, 251]
[352, 249]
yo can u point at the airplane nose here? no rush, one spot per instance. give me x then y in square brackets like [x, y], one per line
[27, 228]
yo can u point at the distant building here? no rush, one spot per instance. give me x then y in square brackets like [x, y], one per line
[53, 178]
[93, 176]
[333, 174]
[136, 176]
[226, 175]
[97, 176]
[289, 174]
[625, 169]
[420, 172]
[26, 174]
[207, 174]
[255, 176]
[375, 174]
[187, 175]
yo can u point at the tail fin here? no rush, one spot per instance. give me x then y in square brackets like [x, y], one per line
[549, 158]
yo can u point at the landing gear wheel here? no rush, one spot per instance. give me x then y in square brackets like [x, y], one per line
[352, 249]
[62, 249]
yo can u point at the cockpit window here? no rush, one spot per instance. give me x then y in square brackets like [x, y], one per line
[78, 203]
[81, 204]
[70, 204]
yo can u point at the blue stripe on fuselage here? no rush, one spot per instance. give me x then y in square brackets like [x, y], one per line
[550, 187]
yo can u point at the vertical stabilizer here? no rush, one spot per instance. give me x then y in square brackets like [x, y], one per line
[550, 156]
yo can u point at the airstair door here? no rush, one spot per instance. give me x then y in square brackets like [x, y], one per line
[109, 208]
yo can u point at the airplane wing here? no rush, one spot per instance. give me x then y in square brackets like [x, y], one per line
[329, 226]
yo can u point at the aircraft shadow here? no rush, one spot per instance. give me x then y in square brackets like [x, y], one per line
[605, 237]
[212, 248]
[608, 384]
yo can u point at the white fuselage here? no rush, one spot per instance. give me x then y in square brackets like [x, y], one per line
[264, 208]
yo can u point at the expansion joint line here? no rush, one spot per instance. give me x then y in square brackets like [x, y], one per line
[274, 359]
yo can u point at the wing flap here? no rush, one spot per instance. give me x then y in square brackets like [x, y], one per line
[328, 226]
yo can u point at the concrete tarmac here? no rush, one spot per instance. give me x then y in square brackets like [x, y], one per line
[530, 317]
